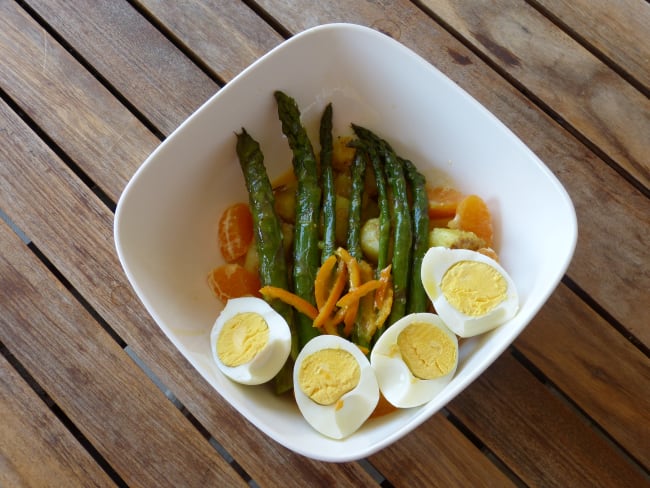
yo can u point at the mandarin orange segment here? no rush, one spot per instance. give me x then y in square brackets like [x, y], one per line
[235, 231]
[443, 201]
[472, 214]
[233, 281]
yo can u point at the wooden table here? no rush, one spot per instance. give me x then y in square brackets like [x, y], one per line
[93, 393]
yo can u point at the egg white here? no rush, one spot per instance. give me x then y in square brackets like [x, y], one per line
[435, 264]
[396, 381]
[358, 403]
[270, 359]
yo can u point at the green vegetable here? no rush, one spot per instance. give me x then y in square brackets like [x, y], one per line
[308, 195]
[400, 218]
[268, 239]
[368, 140]
[402, 232]
[417, 300]
[358, 170]
[327, 176]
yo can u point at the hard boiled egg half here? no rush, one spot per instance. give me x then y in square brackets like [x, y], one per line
[414, 359]
[334, 385]
[250, 341]
[471, 292]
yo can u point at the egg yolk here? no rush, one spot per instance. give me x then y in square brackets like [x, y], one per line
[326, 375]
[473, 288]
[242, 338]
[427, 351]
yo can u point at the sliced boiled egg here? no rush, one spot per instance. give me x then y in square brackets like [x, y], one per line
[334, 385]
[471, 292]
[414, 359]
[250, 341]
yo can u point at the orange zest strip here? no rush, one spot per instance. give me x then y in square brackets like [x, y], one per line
[322, 277]
[360, 291]
[384, 278]
[337, 289]
[300, 304]
[384, 311]
[355, 280]
[331, 323]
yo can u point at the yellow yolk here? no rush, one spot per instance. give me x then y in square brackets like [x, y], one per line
[427, 351]
[242, 338]
[474, 288]
[326, 375]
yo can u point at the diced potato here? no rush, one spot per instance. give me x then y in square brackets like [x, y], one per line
[370, 239]
[343, 184]
[342, 213]
[285, 202]
[342, 155]
[287, 238]
[455, 239]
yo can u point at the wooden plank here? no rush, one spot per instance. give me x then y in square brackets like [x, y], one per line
[74, 230]
[619, 30]
[566, 77]
[541, 439]
[126, 49]
[603, 373]
[437, 454]
[82, 117]
[148, 442]
[36, 450]
[226, 36]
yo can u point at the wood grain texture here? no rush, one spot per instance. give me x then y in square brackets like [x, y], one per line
[527, 427]
[437, 454]
[74, 229]
[36, 450]
[80, 367]
[75, 111]
[541, 439]
[566, 77]
[582, 355]
[226, 36]
[620, 30]
[133, 56]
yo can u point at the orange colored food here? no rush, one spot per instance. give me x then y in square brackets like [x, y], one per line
[443, 201]
[383, 408]
[322, 281]
[300, 304]
[233, 281]
[328, 307]
[472, 214]
[235, 231]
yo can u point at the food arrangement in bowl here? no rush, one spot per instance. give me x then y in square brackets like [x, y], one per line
[368, 273]
[483, 188]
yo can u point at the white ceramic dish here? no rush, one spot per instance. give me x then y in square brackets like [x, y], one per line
[166, 219]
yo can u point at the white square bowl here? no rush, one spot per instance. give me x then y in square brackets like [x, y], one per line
[166, 218]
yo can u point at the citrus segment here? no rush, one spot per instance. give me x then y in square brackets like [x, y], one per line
[233, 281]
[472, 214]
[443, 201]
[235, 231]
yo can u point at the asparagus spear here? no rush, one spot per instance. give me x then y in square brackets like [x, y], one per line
[382, 201]
[402, 235]
[417, 300]
[327, 175]
[400, 220]
[268, 239]
[358, 170]
[306, 251]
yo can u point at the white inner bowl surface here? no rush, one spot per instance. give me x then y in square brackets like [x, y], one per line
[166, 219]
